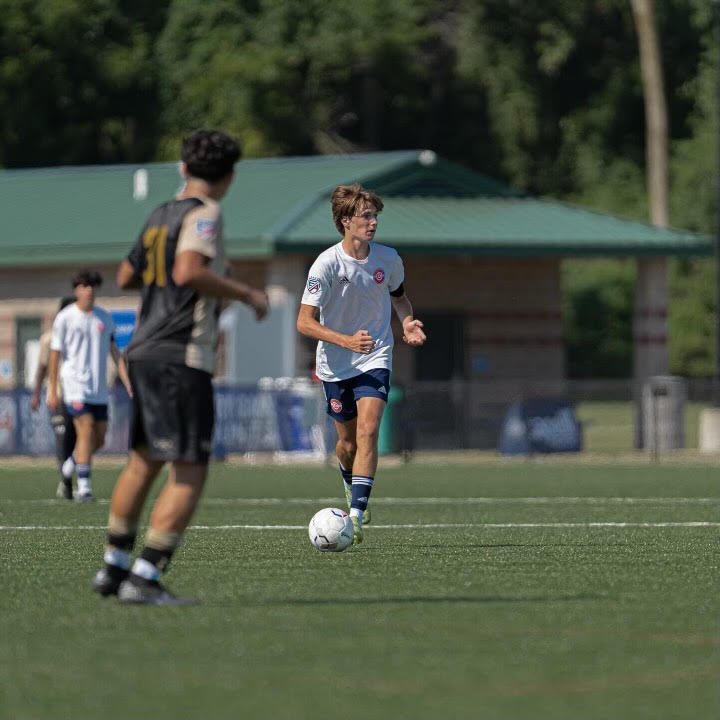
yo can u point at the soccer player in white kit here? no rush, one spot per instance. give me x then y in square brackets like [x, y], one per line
[352, 286]
[83, 336]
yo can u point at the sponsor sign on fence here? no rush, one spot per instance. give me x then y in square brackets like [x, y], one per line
[246, 420]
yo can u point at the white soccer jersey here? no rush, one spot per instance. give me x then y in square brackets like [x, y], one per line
[354, 295]
[83, 340]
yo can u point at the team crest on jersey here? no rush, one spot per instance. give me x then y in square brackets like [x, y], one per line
[313, 285]
[335, 405]
[379, 276]
[205, 229]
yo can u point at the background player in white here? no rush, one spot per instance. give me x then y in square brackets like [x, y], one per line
[352, 286]
[83, 336]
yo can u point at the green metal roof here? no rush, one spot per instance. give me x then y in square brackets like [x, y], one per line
[88, 214]
[508, 226]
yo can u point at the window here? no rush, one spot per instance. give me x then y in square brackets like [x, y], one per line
[27, 333]
[443, 356]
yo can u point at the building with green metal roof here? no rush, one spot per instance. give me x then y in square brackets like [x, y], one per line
[66, 216]
[482, 260]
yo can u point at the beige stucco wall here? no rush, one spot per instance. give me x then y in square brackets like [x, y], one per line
[35, 293]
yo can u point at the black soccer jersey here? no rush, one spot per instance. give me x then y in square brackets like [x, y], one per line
[176, 324]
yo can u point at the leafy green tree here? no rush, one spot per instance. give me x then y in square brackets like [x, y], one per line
[598, 306]
[77, 81]
[692, 318]
[292, 76]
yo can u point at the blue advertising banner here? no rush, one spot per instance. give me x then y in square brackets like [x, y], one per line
[540, 426]
[246, 420]
[124, 326]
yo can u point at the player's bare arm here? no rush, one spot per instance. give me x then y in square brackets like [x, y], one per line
[191, 268]
[126, 278]
[54, 364]
[308, 324]
[121, 365]
[413, 333]
[37, 386]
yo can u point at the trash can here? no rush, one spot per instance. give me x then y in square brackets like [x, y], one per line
[388, 439]
[663, 408]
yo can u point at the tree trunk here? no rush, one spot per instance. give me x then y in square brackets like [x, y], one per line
[650, 356]
[656, 124]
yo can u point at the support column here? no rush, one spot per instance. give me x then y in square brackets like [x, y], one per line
[286, 278]
[650, 351]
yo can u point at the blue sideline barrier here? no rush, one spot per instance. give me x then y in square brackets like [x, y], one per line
[246, 420]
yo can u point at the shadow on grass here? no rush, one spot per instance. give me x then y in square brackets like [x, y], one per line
[419, 599]
[516, 545]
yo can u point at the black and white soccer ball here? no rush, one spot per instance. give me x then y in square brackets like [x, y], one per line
[331, 530]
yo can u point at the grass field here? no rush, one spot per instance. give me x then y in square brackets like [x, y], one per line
[495, 590]
[610, 426]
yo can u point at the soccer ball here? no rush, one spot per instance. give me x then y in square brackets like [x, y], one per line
[331, 530]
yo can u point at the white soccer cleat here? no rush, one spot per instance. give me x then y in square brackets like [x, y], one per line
[357, 530]
[348, 493]
[64, 490]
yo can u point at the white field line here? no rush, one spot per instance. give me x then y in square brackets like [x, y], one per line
[431, 501]
[410, 526]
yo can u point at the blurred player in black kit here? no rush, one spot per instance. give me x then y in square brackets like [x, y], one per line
[61, 421]
[179, 262]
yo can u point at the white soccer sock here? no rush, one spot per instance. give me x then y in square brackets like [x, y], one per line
[117, 557]
[68, 467]
[145, 569]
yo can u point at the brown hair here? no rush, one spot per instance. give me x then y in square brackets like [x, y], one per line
[348, 199]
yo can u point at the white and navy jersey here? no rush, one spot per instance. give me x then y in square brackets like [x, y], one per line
[354, 295]
[83, 340]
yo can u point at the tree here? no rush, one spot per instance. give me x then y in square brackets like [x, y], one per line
[292, 76]
[77, 82]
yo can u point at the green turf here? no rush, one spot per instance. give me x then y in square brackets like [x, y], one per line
[610, 426]
[455, 622]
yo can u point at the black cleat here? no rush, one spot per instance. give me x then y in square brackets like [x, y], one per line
[107, 580]
[137, 591]
[64, 490]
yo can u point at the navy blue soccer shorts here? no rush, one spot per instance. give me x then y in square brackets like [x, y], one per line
[342, 396]
[98, 411]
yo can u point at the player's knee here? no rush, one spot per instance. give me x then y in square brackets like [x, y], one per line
[347, 447]
[367, 434]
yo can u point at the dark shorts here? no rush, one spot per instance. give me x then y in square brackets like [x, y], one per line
[172, 411]
[99, 412]
[342, 396]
